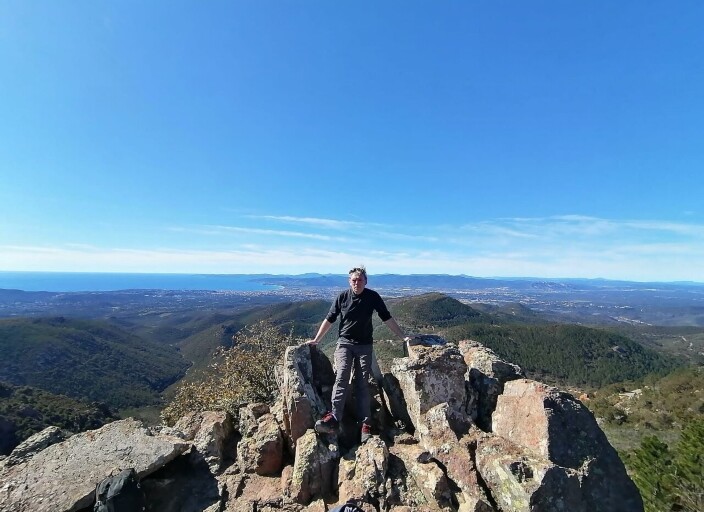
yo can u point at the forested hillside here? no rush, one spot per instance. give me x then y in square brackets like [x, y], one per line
[87, 360]
[25, 411]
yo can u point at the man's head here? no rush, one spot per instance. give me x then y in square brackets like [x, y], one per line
[358, 279]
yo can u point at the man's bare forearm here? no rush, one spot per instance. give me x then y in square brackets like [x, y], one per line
[322, 331]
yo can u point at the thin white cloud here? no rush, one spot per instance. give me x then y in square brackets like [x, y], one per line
[341, 225]
[565, 246]
[219, 230]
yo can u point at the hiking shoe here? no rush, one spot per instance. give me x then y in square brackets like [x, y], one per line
[327, 424]
[366, 432]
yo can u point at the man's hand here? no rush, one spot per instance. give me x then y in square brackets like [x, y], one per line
[312, 342]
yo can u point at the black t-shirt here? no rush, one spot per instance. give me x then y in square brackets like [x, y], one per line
[355, 313]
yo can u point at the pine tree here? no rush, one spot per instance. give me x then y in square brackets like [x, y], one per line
[651, 464]
[688, 464]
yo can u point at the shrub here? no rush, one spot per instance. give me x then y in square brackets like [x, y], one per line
[242, 374]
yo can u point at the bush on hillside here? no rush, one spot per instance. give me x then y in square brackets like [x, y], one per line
[671, 480]
[242, 374]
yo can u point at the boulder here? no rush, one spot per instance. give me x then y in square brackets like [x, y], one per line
[430, 376]
[362, 477]
[212, 434]
[486, 376]
[303, 384]
[414, 479]
[64, 475]
[313, 472]
[520, 481]
[36, 443]
[443, 434]
[556, 426]
[261, 449]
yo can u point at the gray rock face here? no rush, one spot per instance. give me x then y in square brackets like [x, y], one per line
[64, 475]
[301, 390]
[486, 376]
[210, 432]
[34, 444]
[559, 428]
[313, 470]
[364, 476]
[261, 449]
[431, 376]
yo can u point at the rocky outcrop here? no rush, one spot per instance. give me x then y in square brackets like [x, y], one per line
[485, 379]
[64, 475]
[34, 444]
[262, 446]
[306, 378]
[561, 429]
[478, 438]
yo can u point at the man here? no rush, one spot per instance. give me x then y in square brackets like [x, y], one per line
[355, 308]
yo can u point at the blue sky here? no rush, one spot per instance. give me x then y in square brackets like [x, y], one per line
[487, 138]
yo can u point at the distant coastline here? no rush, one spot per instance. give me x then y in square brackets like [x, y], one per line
[105, 282]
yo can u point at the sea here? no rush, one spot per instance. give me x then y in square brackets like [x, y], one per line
[104, 282]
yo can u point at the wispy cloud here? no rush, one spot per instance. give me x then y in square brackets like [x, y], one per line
[340, 225]
[219, 230]
[563, 246]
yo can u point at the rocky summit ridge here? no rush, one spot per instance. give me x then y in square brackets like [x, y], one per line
[455, 429]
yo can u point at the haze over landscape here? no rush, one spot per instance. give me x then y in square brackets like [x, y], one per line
[545, 139]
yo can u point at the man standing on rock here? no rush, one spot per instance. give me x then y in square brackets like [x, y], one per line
[355, 308]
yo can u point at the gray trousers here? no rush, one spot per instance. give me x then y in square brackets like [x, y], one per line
[359, 358]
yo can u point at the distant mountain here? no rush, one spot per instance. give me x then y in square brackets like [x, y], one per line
[434, 310]
[463, 282]
[90, 360]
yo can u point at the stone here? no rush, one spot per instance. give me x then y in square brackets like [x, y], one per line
[520, 481]
[556, 426]
[431, 376]
[304, 374]
[213, 438]
[313, 471]
[363, 477]
[33, 444]
[444, 435]
[261, 448]
[416, 480]
[486, 376]
[64, 475]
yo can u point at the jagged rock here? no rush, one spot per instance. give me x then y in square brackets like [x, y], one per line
[486, 376]
[431, 376]
[259, 493]
[64, 475]
[261, 449]
[521, 481]
[416, 480]
[211, 433]
[396, 403]
[559, 428]
[312, 475]
[33, 444]
[363, 477]
[302, 398]
[443, 435]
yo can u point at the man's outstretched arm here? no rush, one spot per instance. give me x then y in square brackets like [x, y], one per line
[391, 324]
[322, 331]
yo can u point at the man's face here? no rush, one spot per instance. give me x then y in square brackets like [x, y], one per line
[357, 283]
